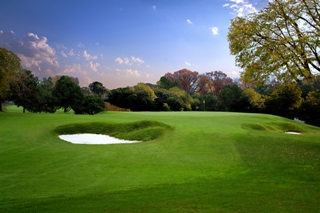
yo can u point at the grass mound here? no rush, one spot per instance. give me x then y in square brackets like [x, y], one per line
[141, 130]
[273, 127]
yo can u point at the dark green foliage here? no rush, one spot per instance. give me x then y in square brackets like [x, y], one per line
[165, 83]
[309, 109]
[92, 104]
[46, 102]
[284, 100]
[309, 85]
[97, 88]
[67, 93]
[206, 102]
[26, 91]
[119, 97]
[231, 98]
[140, 130]
[140, 101]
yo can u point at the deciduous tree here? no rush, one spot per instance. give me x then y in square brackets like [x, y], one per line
[186, 79]
[27, 90]
[9, 68]
[284, 100]
[281, 41]
[67, 93]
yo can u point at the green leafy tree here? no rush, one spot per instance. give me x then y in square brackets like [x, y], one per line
[27, 91]
[119, 97]
[67, 93]
[46, 102]
[165, 83]
[280, 41]
[92, 104]
[142, 98]
[309, 110]
[231, 98]
[255, 99]
[9, 68]
[284, 100]
[97, 88]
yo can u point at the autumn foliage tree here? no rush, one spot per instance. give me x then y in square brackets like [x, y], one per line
[186, 79]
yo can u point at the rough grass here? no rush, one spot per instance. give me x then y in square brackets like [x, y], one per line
[274, 127]
[209, 162]
[139, 130]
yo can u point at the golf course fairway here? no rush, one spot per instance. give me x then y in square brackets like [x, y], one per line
[186, 162]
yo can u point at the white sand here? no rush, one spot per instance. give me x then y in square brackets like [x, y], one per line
[294, 133]
[93, 139]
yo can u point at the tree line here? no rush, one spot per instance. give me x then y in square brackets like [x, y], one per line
[183, 90]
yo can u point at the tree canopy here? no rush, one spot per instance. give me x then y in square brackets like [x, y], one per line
[67, 93]
[280, 41]
[9, 68]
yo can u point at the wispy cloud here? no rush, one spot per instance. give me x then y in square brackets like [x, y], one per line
[129, 61]
[94, 66]
[154, 7]
[80, 44]
[137, 60]
[214, 30]
[189, 22]
[76, 70]
[88, 57]
[63, 54]
[71, 53]
[187, 63]
[119, 60]
[133, 72]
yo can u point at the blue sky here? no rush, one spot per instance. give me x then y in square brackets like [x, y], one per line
[121, 42]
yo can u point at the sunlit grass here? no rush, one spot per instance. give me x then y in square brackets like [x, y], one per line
[201, 162]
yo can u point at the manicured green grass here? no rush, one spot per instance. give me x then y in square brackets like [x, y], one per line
[198, 162]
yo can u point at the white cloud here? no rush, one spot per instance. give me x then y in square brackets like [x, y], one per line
[137, 60]
[72, 68]
[133, 72]
[187, 63]
[94, 66]
[189, 22]
[130, 61]
[244, 7]
[77, 71]
[80, 44]
[34, 51]
[119, 60]
[126, 60]
[214, 30]
[154, 7]
[63, 54]
[88, 57]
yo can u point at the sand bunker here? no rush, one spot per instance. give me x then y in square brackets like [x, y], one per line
[294, 133]
[93, 139]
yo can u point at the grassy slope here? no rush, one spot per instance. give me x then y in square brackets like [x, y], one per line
[210, 162]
